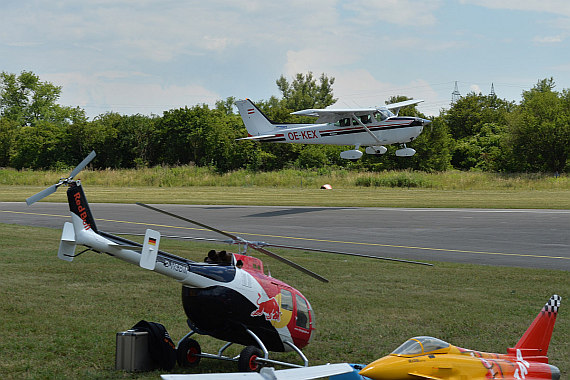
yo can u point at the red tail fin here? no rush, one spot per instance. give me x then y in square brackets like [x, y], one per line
[534, 343]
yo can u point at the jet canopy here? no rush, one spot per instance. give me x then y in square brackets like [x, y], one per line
[421, 345]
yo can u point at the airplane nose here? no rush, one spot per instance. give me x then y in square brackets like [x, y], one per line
[419, 122]
[386, 368]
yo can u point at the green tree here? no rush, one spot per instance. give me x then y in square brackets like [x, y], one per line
[8, 130]
[540, 129]
[38, 147]
[36, 131]
[476, 124]
[26, 100]
[202, 137]
[304, 92]
[466, 116]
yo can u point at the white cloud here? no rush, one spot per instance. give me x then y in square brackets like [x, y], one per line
[558, 7]
[400, 12]
[359, 88]
[547, 39]
[475, 88]
[102, 92]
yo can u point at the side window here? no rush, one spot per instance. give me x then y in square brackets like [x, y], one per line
[286, 300]
[302, 312]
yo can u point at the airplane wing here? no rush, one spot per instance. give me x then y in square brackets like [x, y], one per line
[395, 107]
[333, 115]
[268, 373]
[265, 138]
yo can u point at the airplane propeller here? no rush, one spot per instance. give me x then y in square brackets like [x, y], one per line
[62, 181]
[239, 240]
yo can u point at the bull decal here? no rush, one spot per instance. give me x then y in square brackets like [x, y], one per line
[270, 309]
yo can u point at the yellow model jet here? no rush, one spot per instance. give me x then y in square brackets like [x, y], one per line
[427, 358]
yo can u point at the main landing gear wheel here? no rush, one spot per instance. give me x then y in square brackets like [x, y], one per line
[248, 359]
[187, 351]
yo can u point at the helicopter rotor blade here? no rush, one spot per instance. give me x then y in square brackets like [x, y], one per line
[264, 244]
[234, 237]
[347, 253]
[288, 262]
[82, 165]
[42, 194]
[238, 240]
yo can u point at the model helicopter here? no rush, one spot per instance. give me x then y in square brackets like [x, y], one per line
[369, 127]
[424, 357]
[228, 296]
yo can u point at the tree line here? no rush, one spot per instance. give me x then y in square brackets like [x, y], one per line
[477, 132]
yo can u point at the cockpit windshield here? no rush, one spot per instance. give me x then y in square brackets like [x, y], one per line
[383, 114]
[420, 345]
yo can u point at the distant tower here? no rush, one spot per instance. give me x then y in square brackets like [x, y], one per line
[455, 95]
[492, 90]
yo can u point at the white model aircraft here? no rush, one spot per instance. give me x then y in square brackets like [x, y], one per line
[369, 127]
[269, 373]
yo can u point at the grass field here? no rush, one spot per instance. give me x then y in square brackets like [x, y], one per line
[59, 319]
[191, 185]
[351, 197]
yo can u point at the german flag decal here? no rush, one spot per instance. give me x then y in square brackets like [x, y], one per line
[151, 241]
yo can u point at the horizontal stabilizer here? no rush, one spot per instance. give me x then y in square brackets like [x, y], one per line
[67, 244]
[265, 138]
[150, 249]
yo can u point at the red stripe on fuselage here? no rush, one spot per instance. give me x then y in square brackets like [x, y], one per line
[355, 128]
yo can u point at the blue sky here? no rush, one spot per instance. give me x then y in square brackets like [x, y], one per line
[141, 56]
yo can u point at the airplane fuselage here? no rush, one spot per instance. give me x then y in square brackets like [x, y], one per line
[390, 131]
[458, 364]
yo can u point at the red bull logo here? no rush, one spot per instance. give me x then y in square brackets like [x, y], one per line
[82, 211]
[270, 309]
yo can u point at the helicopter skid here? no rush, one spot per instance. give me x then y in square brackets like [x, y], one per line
[263, 361]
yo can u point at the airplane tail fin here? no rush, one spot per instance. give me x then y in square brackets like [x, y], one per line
[82, 217]
[255, 121]
[81, 220]
[535, 341]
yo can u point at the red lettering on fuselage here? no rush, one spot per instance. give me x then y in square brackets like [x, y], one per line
[81, 210]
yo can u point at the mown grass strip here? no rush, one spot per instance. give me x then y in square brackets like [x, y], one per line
[353, 197]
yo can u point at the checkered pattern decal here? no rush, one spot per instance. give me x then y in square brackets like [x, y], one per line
[552, 305]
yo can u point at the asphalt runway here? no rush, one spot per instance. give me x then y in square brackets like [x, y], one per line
[521, 238]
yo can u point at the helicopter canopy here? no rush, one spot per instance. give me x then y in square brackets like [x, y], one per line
[421, 345]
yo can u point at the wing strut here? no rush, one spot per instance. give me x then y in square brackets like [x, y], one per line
[367, 130]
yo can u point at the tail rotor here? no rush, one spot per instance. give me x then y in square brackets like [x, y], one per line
[63, 181]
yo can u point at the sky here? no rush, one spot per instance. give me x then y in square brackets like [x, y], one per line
[146, 57]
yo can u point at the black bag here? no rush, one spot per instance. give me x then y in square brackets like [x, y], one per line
[161, 348]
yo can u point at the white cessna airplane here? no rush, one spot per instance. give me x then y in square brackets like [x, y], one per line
[369, 127]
